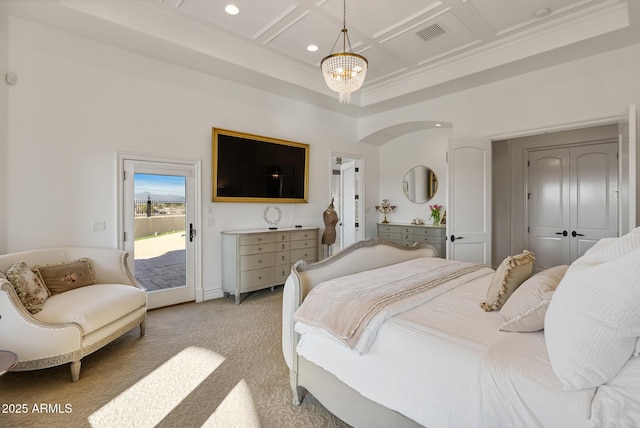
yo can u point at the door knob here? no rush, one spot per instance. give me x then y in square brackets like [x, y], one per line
[563, 233]
[574, 234]
[453, 238]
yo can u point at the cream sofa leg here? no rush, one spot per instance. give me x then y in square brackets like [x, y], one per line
[143, 327]
[75, 371]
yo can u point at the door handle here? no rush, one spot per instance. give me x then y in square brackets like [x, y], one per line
[574, 234]
[192, 232]
[563, 233]
[453, 238]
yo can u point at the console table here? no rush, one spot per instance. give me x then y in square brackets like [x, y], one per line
[257, 259]
[408, 234]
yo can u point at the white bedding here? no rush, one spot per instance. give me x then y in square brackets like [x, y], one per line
[445, 363]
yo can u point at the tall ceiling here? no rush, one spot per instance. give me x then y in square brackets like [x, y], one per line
[416, 49]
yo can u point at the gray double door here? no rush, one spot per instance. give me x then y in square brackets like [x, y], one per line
[572, 200]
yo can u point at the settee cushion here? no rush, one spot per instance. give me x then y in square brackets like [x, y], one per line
[65, 276]
[29, 288]
[92, 307]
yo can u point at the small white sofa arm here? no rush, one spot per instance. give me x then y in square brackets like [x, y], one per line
[74, 323]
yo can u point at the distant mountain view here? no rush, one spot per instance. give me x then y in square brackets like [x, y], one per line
[143, 196]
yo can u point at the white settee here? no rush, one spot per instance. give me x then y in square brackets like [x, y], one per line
[74, 323]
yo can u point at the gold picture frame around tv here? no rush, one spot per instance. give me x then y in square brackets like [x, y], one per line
[254, 168]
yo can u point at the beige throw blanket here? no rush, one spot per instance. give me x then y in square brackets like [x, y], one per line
[352, 308]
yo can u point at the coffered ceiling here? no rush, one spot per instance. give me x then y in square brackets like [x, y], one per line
[416, 49]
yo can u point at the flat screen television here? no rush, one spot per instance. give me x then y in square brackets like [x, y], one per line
[252, 168]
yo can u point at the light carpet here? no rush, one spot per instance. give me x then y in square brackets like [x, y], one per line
[212, 364]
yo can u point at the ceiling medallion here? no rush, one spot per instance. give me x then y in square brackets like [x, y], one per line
[344, 72]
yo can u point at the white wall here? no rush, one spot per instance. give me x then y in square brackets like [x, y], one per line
[3, 132]
[398, 156]
[580, 93]
[78, 103]
[597, 87]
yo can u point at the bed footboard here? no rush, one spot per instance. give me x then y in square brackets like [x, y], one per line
[361, 256]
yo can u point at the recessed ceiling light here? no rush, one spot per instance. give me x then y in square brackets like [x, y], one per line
[232, 9]
[438, 125]
[312, 48]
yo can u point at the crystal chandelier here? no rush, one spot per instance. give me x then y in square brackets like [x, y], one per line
[344, 71]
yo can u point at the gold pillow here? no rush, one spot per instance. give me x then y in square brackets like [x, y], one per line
[61, 277]
[29, 288]
[512, 272]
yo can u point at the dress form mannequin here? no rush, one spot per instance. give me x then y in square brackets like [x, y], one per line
[330, 218]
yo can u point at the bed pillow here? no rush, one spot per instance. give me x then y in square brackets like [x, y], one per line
[512, 272]
[527, 306]
[29, 288]
[61, 277]
[593, 322]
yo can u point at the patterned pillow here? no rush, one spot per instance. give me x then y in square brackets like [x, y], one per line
[527, 306]
[28, 286]
[512, 272]
[65, 276]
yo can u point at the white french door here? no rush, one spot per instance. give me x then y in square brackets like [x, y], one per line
[159, 224]
[572, 201]
[469, 200]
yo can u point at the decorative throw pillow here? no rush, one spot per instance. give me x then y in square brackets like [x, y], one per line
[593, 322]
[30, 289]
[61, 277]
[527, 306]
[512, 272]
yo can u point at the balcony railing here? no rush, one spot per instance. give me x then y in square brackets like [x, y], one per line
[152, 208]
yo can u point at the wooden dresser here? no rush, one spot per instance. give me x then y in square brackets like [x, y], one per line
[407, 234]
[257, 259]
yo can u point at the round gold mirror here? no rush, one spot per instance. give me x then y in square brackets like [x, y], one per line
[420, 184]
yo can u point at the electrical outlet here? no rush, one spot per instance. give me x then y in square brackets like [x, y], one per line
[99, 226]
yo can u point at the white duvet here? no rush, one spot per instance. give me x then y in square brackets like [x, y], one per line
[446, 364]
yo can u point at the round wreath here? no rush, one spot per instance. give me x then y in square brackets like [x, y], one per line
[267, 217]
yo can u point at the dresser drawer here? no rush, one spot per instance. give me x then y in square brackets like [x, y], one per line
[282, 273]
[282, 236]
[390, 236]
[384, 228]
[257, 249]
[257, 261]
[283, 246]
[428, 231]
[257, 279]
[428, 239]
[309, 243]
[283, 257]
[407, 237]
[259, 238]
[300, 235]
[306, 254]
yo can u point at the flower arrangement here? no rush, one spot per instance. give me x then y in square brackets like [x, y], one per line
[435, 213]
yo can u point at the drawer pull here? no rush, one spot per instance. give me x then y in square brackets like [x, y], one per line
[259, 248]
[259, 261]
[260, 277]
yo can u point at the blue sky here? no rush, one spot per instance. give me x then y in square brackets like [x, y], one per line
[159, 184]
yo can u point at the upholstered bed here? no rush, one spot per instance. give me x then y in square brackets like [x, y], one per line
[465, 352]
